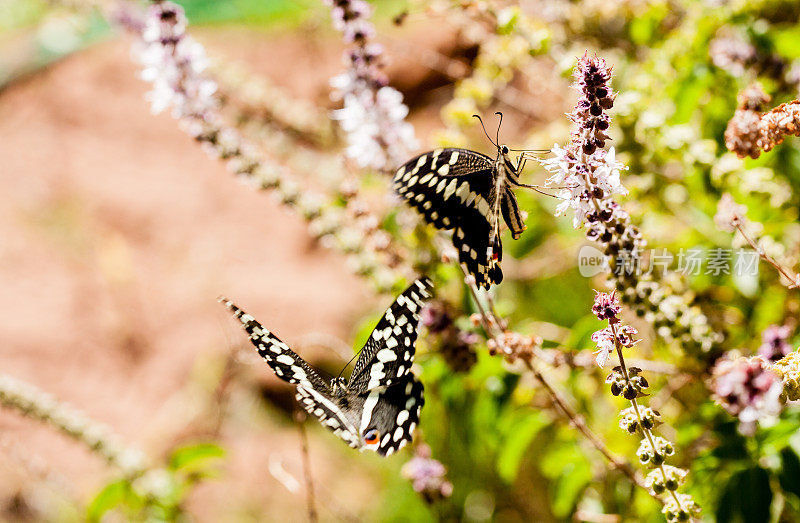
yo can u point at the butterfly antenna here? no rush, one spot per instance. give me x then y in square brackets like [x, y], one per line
[484, 130]
[347, 365]
[497, 136]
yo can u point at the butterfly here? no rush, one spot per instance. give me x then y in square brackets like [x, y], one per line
[467, 191]
[378, 408]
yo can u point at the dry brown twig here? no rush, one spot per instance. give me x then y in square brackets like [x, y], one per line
[310, 500]
[793, 279]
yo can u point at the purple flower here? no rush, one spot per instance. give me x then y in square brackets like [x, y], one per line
[427, 475]
[606, 306]
[775, 344]
[435, 317]
[584, 173]
[747, 388]
[174, 64]
[373, 115]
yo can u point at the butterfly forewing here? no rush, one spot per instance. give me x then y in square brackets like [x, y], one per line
[454, 189]
[389, 351]
[287, 365]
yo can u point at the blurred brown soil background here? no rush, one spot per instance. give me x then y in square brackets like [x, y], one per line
[118, 233]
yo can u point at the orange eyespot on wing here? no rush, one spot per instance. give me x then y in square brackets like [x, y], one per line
[372, 436]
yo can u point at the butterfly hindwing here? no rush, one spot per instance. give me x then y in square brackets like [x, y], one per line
[394, 413]
[511, 213]
[389, 351]
[287, 365]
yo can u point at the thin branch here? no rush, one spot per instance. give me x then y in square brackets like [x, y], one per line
[647, 432]
[794, 279]
[491, 324]
[310, 500]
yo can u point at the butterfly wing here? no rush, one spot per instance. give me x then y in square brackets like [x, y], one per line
[313, 392]
[389, 351]
[511, 213]
[453, 189]
[287, 365]
[334, 414]
[393, 412]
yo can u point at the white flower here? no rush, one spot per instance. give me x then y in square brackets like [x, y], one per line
[729, 214]
[604, 338]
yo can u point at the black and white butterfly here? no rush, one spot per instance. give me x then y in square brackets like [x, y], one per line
[467, 191]
[378, 407]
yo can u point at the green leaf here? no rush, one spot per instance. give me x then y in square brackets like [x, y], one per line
[746, 497]
[519, 439]
[789, 476]
[113, 495]
[194, 458]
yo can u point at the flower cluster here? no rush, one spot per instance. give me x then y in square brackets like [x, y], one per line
[747, 388]
[373, 115]
[750, 131]
[427, 475]
[584, 173]
[637, 418]
[605, 340]
[456, 345]
[514, 346]
[735, 55]
[174, 64]
[788, 368]
[630, 420]
[502, 49]
[35, 404]
[775, 342]
[629, 386]
[587, 177]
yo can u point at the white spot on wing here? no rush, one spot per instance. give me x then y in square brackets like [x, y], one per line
[385, 355]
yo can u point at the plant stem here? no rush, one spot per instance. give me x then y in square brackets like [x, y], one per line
[647, 433]
[794, 279]
[493, 330]
[310, 500]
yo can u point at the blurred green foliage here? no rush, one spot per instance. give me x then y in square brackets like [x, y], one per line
[509, 455]
[158, 494]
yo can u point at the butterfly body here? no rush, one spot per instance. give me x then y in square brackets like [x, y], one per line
[467, 192]
[378, 407]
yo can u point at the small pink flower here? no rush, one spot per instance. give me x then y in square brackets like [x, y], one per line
[775, 344]
[606, 306]
[427, 475]
[747, 388]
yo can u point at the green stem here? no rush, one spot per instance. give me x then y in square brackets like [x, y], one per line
[645, 431]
